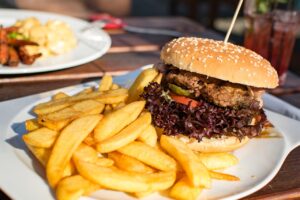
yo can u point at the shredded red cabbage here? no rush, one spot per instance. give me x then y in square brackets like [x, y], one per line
[205, 120]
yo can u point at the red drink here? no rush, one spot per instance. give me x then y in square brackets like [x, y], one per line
[272, 35]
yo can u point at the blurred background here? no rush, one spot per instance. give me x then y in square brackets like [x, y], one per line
[213, 14]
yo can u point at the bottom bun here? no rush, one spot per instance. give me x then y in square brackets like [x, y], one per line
[223, 144]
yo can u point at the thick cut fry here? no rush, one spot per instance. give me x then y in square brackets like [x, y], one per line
[128, 163]
[4, 52]
[41, 154]
[112, 178]
[158, 181]
[59, 119]
[18, 43]
[89, 154]
[115, 121]
[71, 188]
[184, 190]
[149, 136]
[32, 124]
[140, 82]
[42, 137]
[107, 109]
[108, 97]
[59, 95]
[217, 160]
[195, 170]
[125, 136]
[114, 86]
[158, 78]
[13, 57]
[89, 140]
[222, 176]
[105, 83]
[67, 142]
[86, 91]
[149, 155]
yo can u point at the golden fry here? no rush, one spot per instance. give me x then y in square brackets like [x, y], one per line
[214, 161]
[32, 124]
[71, 188]
[149, 136]
[105, 83]
[222, 176]
[42, 137]
[59, 95]
[125, 136]
[128, 163]
[184, 190]
[195, 170]
[158, 78]
[111, 178]
[67, 142]
[150, 156]
[140, 82]
[115, 121]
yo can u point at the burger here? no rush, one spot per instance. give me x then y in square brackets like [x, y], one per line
[210, 96]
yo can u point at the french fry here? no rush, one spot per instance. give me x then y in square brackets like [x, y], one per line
[158, 78]
[59, 95]
[43, 154]
[20, 43]
[128, 163]
[124, 116]
[114, 86]
[42, 137]
[89, 140]
[105, 83]
[13, 57]
[149, 136]
[3, 46]
[71, 188]
[184, 190]
[149, 155]
[32, 124]
[112, 178]
[108, 97]
[215, 161]
[140, 82]
[222, 176]
[195, 170]
[67, 142]
[125, 136]
[85, 91]
[89, 154]
[59, 119]
[107, 109]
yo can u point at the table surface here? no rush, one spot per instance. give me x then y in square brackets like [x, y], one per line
[130, 51]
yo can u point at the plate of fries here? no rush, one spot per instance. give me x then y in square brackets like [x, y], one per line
[90, 142]
[42, 47]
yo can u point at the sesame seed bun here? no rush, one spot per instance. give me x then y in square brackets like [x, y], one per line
[223, 144]
[216, 59]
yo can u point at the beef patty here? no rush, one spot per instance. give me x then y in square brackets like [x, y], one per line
[218, 92]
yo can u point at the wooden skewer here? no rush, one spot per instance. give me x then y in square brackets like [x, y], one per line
[233, 21]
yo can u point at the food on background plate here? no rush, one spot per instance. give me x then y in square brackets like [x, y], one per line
[128, 140]
[210, 93]
[29, 39]
[54, 37]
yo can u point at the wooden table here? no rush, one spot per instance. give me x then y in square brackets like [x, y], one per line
[130, 51]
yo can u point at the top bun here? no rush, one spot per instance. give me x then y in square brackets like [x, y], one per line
[216, 59]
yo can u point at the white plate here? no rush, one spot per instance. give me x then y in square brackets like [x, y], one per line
[91, 44]
[21, 176]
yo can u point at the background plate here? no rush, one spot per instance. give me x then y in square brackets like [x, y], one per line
[91, 44]
[21, 177]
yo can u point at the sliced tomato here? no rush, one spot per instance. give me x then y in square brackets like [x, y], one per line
[185, 100]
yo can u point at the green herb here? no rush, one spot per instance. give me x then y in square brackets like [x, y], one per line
[16, 35]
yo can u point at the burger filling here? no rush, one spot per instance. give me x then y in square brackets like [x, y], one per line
[199, 106]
